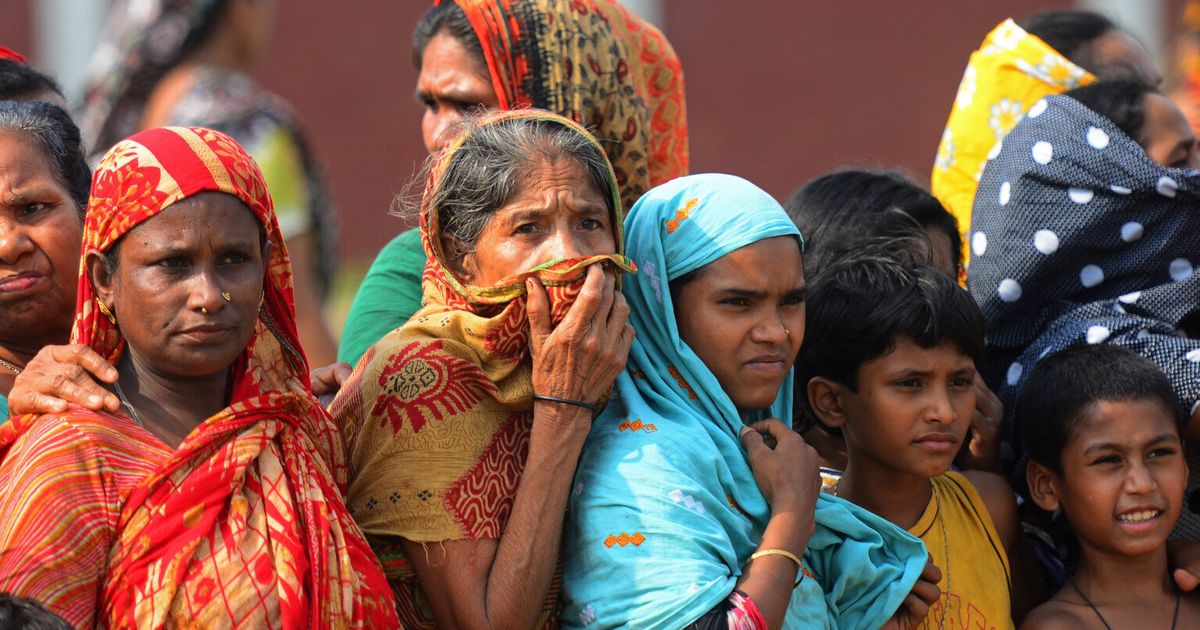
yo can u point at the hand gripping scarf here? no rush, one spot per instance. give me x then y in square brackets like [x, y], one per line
[244, 524]
[665, 511]
[1079, 237]
[599, 64]
[1009, 73]
[438, 413]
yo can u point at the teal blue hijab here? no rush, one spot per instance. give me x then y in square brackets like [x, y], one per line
[665, 512]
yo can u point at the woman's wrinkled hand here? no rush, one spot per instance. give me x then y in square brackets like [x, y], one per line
[788, 473]
[920, 599]
[327, 381]
[62, 375]
[982, 451]
[581, 357]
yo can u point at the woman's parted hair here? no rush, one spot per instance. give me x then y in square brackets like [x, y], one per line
[52, 131]
[860, 305]
[495, 159]
[1119, 100]
[449, 18]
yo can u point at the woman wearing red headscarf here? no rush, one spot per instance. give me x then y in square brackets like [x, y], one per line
[213, 498]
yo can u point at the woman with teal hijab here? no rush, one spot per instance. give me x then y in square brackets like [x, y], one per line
[677, 514]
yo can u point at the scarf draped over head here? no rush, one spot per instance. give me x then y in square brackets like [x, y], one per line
[665, 511]
[244, 523]
[1009, 73]
[599, 64]
[1079, 237]
[438, 413]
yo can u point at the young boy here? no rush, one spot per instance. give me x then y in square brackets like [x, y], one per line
[889, 359]
[1101, 425]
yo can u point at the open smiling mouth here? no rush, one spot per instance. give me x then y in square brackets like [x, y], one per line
[1141, 516]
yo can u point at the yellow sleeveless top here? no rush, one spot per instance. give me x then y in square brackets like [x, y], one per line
[976, 583]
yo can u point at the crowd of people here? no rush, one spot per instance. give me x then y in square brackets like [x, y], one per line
[591, 390]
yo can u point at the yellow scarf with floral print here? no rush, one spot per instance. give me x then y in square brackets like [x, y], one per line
[1010, 72]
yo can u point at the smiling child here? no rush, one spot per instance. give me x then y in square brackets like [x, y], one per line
[1102, 429]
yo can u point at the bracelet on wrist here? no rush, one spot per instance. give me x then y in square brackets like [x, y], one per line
[565, 401]
[786, 554]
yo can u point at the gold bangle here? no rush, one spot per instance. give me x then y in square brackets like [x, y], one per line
[786, 554]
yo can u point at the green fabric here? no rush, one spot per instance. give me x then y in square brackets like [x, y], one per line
[3, 409]
[389, 294]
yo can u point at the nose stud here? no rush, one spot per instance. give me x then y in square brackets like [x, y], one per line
[204, 309]
[787, 333]
[227, 296]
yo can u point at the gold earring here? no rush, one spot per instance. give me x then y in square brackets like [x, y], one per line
[107, 313]
[227, 296]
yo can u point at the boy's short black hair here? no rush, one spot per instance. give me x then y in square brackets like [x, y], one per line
[859, 307]
[20, 613]
[1064, 386]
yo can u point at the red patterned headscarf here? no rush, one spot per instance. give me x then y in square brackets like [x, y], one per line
[599, 64]
[244, 525]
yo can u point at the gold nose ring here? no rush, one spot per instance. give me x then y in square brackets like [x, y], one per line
[227, 296]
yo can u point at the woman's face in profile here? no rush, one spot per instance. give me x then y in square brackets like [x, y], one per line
[40, 232]
[1166, 135]
[743, 316]
[451, 85]
[187, 285]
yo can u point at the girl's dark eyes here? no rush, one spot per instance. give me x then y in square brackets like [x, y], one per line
[962, 383]
[233, 259]
[1106, 459]
[173, 262]
[908, 383]
[735, 302]
[591, 224]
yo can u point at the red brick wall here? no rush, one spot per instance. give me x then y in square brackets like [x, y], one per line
[779, 91]
[789, 90]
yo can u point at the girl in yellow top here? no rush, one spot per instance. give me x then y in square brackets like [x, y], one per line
[890, 361]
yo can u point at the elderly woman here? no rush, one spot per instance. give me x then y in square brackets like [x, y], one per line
[214, 497]
[43, 191]
[694, 504]
[592, 61]
[465, 424]
[187, 62]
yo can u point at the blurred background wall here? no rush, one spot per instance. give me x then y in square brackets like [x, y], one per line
[778, 91]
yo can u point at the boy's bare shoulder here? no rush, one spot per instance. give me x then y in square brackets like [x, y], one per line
[1058, 615]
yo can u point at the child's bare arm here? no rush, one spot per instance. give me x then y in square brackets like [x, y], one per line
[1028, 586]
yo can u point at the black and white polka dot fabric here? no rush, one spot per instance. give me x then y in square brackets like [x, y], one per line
[1077, 237]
